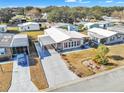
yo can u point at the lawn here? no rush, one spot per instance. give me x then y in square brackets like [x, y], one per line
[33, 34]
[5, 76]
[12, 29]
[116, 56]
[36, 70]
[74, 59]
[38, 75]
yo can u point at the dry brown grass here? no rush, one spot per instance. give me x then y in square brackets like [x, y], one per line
[5, 76]
[117, 54]
[33, 34]
[38, 75]
[74, 60]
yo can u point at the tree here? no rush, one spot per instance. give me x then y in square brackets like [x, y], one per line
[101, 55]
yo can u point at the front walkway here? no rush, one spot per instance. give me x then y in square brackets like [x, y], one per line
[55, 69]
[21, 80]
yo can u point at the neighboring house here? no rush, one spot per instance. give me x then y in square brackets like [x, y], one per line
[14, 44]
[61, 39]
[72, 28]
[18, 19]
[103, 36]
[29, 26]
[117, 28]
[67, 26]
[90, 25]
[105, 24]
[112, 19]
[3, 28]
[2, 51]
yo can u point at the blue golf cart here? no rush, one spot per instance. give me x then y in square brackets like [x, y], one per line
[22, 59]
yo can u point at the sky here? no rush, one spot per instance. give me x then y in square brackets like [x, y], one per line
[72, 3]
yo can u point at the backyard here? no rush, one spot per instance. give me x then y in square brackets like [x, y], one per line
[75, 60]
[5, 76]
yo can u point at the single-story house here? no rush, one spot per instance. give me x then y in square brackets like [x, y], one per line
[2, 51]
[112, 19]
[104, 24]
[61, 39]
[90, 25]
[29, 26]
[67, 26]
[14, 43]
[117, 28]
[3, 28]
[103, 36]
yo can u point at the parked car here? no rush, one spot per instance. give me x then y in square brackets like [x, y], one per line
[22, 60]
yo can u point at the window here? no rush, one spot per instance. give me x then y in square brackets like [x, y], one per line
[65, 45]
[112, 38]
[2, 29]
[69, 44]
[118, 36]
[78, 43]
[28, 27]
[74, 43]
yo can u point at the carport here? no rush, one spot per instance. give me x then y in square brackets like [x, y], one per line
[14, 43]
[45, 41]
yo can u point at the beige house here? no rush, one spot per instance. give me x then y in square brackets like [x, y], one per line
[61, 39]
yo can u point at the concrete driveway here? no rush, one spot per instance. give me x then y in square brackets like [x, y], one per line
[21, 80]
[55, 69]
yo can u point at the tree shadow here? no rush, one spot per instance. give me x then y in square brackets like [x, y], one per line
[116, 57]
[32, 62]
[111, 64]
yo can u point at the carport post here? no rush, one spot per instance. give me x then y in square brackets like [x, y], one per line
[42, 50]
[28, 50]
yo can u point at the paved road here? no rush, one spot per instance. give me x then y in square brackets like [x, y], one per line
[21, 81]
[55, 69]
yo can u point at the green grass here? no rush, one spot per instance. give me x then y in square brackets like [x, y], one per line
[12, 29]
[3, 23]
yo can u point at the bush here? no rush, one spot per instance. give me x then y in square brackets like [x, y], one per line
[100, 56]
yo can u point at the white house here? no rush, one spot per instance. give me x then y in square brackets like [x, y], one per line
[90, 25]
[103, 36]
[3, 28]
[61, 39]
[117, 28]
[29, 26]
[104, 24]
[69, 27]
[2, 51]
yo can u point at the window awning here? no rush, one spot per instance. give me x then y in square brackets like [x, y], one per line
[46, 40]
